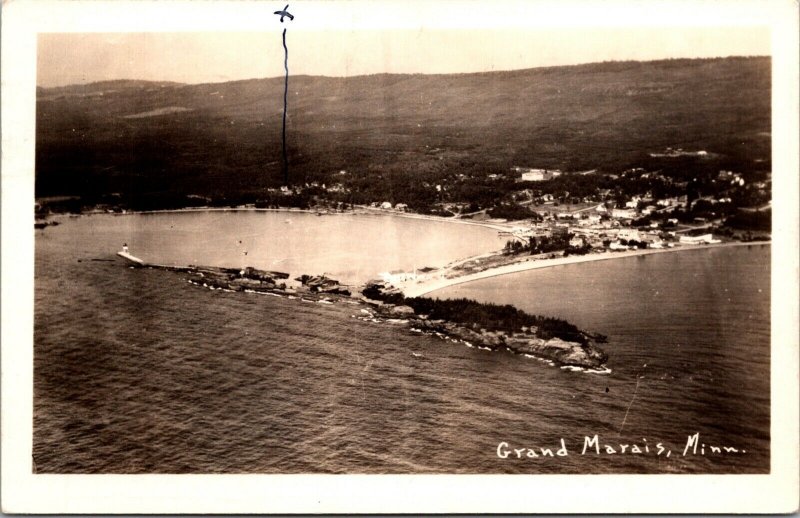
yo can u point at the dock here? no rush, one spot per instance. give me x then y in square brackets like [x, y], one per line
[129, 257]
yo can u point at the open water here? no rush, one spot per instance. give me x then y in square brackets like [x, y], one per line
[137, 371]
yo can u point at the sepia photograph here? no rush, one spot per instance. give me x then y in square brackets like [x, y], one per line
[485, 245]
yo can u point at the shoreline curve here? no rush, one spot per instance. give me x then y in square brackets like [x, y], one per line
[419, 289]
[359, 210]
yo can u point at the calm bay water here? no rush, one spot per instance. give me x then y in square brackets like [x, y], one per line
[137, 371]
[346, 246]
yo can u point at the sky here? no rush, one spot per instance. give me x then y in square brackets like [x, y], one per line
[203, 57]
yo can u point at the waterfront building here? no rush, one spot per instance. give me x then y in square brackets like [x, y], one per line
[695, 240]
[629, 234]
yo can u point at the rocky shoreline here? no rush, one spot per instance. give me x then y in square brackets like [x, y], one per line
[568, 354]
[556, 351]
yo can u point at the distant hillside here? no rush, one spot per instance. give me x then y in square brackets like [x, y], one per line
[391, 130]
[99, 88]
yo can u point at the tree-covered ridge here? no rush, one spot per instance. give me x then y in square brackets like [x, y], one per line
[422, 140]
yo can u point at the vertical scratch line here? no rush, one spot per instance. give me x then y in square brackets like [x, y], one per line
[629, 406]
[285, 94]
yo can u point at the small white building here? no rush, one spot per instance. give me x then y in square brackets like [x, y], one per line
[577, 242]
[386, 205]
[623, 213]
[696, 240]
[534, 175]
[633, 203]
[529, 174]
[337, 187]
[397, 276]
[629, 234]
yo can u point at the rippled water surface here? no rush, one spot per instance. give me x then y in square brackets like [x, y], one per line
[137, 371]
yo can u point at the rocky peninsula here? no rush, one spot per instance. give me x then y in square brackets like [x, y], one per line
[488, 326]
[492, 327]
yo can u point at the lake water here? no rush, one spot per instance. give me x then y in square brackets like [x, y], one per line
[137, 371]
[346, 246]
[689, 336]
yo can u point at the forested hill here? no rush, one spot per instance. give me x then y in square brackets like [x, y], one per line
[391, 132]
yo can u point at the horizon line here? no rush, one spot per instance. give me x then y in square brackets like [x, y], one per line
[179, 83]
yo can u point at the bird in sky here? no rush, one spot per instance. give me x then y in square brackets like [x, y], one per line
[283, 13]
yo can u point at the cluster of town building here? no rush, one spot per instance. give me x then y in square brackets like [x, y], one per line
[599, 225]
[599, 231]
[606, 226]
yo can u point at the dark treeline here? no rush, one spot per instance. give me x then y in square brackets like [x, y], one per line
[512, 211]
[761, 220]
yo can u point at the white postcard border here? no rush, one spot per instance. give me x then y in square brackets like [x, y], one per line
[25, 492]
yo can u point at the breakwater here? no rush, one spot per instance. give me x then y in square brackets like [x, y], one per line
[533, 340]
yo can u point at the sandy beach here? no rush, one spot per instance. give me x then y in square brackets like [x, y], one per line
[426, 286]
